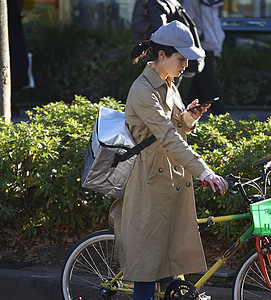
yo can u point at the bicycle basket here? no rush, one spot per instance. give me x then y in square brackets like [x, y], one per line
[261, 213]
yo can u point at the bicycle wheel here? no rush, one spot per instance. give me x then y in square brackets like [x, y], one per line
[250, 282]
[90, 263]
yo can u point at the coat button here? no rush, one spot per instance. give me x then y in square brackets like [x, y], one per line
[160, 170]
[176, 168]
[177, 188]
[188, 184]
[179, 125]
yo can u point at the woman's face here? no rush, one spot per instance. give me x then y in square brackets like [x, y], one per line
[174, 65]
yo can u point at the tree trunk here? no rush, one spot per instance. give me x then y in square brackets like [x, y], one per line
[5, 87]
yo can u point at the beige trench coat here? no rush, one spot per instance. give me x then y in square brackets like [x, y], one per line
[159, 232]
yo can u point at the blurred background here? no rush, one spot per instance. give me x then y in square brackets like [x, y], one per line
[81, 47]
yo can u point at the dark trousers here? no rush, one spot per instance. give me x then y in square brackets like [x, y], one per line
[206, 86]
[144, 290]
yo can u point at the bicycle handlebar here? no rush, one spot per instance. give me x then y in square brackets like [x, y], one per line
[237, 183]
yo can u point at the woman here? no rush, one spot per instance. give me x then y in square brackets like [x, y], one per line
[159, 231]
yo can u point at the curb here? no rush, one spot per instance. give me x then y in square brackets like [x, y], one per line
[221, 278]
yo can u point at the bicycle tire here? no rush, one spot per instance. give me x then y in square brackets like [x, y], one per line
[264, 257]
[90, 262]
[249, 281]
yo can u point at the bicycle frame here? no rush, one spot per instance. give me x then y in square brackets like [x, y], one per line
[128, 289]
[266, 162]
[228, 252]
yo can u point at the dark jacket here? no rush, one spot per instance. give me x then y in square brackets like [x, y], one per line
[149, 15]
[161, 12]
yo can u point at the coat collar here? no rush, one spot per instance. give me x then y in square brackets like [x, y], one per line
[155, 80]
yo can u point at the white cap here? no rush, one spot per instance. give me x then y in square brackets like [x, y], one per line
[178, 35]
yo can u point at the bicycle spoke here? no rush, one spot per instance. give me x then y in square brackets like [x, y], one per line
[91, 263]
[81, 291]
[82, 281]
[105, 262]
[250, 282]
[94, 269]
[258, 275]
[259, 271]
[256, 284]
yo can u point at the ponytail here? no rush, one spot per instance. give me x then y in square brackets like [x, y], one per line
[139, 51]
[152, 49]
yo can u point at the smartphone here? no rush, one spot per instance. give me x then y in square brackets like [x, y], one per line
[202, 104]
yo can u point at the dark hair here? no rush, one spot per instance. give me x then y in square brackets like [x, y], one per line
[151, 48]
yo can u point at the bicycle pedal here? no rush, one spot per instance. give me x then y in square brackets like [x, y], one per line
[203, 297]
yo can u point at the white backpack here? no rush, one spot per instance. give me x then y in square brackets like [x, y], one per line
[110, 154]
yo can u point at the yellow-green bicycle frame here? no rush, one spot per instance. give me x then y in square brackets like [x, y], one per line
[128, 289]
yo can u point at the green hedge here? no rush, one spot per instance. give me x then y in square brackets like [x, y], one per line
[229, 147]
[41, 164]
[245, 74]
[40, 167]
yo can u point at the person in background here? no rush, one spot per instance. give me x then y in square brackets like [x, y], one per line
[158, 235]
[206, 85]
[162, 12]
[149, 15]
[140, 24]
[18, 51]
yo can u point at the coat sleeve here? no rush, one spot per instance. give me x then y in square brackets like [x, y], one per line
[145, 102]
[178, 121]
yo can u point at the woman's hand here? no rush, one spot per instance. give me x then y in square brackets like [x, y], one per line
[217, 182]
[197, 112]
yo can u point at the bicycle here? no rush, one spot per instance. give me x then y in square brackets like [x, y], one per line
[91, 272]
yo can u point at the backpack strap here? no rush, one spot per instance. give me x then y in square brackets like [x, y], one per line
[188, 21]
[133, 151]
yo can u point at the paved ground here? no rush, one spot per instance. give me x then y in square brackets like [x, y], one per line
[29, 285]
[21, 281]
[38, 285]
